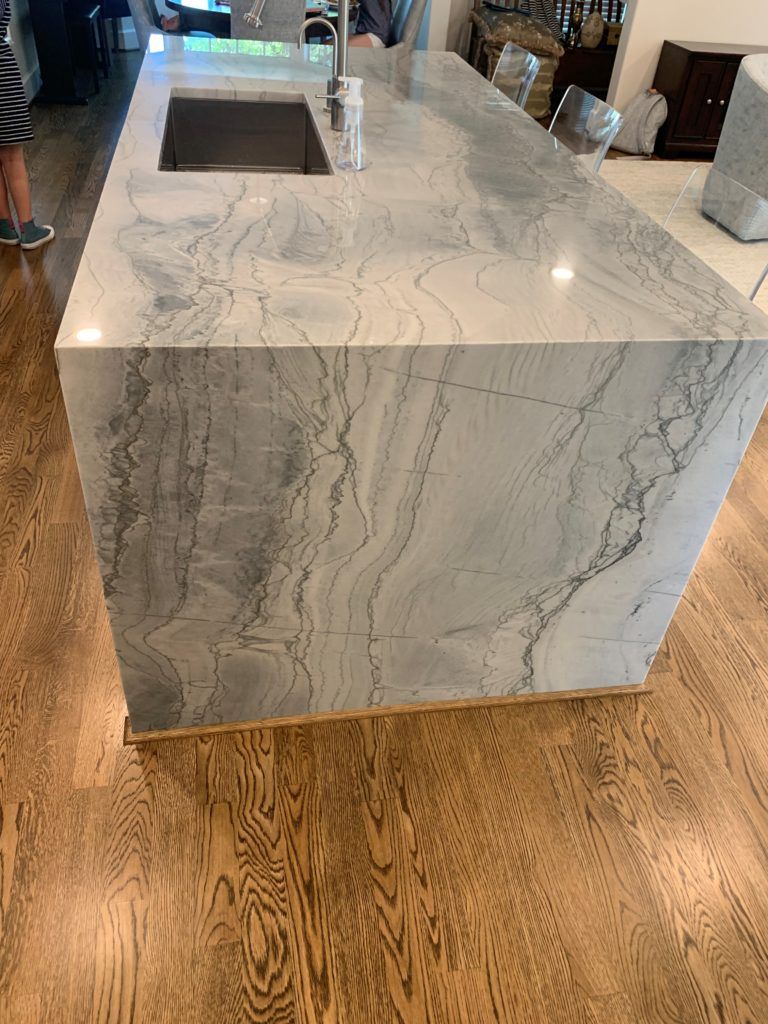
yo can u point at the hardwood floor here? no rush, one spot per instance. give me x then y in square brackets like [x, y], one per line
[576, 862]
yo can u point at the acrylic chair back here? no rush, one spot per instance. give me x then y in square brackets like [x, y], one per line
[722, 220]
[515, 73]
[585, 125]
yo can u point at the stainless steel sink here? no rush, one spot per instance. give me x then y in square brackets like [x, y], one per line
[213, 134]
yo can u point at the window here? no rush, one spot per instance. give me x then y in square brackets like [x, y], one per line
[611, 10]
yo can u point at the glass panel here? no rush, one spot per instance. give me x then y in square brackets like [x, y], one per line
[515, 73]
[725, 224]
[585, 125]
[611, 10]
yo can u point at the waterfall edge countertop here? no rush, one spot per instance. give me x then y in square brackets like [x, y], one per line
[347, 443]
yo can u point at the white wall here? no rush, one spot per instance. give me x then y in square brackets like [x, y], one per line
[24, 47]
[649, 22]
[445, 25]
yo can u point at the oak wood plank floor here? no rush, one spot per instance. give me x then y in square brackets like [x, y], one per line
[578, 862]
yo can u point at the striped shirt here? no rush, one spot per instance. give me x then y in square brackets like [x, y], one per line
[15, 125]
[544, 12]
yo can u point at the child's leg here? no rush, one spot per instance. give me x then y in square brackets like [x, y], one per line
[8, 233]
[15, 171]
[5, 206]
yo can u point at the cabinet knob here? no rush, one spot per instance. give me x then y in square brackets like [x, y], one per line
[722, 103]
[709, 103]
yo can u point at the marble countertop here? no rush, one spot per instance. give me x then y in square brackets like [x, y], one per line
[448, 237]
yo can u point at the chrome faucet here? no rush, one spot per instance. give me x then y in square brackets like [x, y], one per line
[336, 92]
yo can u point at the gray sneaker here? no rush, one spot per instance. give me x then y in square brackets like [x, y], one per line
[8, 233]
[32, 236]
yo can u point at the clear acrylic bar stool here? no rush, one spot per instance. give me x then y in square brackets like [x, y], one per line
[515, 73]
[585, 125]
[714, 212]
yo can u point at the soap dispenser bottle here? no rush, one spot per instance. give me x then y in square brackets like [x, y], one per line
[351, 155]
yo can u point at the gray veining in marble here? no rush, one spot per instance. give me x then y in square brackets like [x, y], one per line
[736, 193]
[346, 442]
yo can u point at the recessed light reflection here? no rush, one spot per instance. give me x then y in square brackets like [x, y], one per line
[88, 335]
[562, 273]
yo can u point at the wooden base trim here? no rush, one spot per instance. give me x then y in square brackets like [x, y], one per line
[186, 732]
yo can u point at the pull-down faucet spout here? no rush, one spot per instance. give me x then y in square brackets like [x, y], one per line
[336, 92]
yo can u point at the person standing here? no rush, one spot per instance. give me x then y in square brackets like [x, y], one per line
[372, 28]
[15, 130]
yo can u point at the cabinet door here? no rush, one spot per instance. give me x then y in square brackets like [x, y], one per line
[700, 99]
[723, 99]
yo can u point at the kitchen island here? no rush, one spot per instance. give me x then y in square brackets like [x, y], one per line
[454, 427]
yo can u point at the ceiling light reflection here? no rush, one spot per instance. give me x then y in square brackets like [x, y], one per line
[89, 335]
[562, 273]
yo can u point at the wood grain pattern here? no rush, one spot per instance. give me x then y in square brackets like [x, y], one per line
[217, 974]
[127, 860]
[561, 862]
[267, 976]
[10, 821]
[173, 900]
[120, 949]
[217, 918]
[13, 690]
[312, 949]
[395, 899]
[100, 728]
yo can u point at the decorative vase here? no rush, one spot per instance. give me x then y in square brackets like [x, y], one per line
[574, 28]
[592, 30]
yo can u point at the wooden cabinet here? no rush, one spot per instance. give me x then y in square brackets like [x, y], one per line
[589, 69]
[697, 80]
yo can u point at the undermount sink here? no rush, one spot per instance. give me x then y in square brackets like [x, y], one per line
[204, 133]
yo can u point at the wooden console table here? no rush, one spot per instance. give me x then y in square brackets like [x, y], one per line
[697, 80]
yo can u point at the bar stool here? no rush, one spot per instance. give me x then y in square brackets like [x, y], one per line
[515, 73]
[710, 201]
[104, 48]
[585, 125]
[85, 18]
